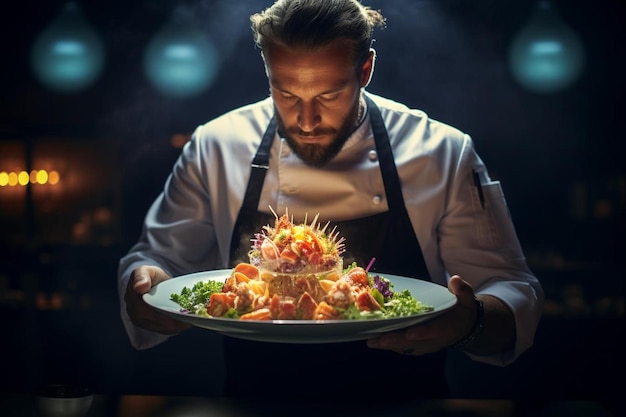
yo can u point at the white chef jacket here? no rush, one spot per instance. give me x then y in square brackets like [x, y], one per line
[189, 226]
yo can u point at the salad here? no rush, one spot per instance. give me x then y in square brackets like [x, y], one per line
[354, 294]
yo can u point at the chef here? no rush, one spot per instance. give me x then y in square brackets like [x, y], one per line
[401, 187]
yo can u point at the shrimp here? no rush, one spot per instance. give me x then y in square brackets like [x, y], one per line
[243, 297]
[220, 303]
[357, 277]
[326, 312]
[365, 301]
[340, 295]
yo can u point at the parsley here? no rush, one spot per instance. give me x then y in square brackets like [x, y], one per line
[197, 297]
[403, 304]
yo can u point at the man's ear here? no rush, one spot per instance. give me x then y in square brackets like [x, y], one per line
[367, 70]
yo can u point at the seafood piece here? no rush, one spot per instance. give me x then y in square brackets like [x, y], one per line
[305, 309]
[261, 314]
[287, 247]
[365, 301]
[243, 297]
[324, 311]
[247, 269]
[340, 295]
[220, 303]
[293, 285]
[234, 280]
[357, 277]
[283, 308]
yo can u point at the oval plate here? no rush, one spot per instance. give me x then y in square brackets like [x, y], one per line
[300, 331]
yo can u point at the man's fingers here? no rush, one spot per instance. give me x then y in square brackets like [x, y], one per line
[141, 314]
[460, 288]
[145, 277]
[141, 284]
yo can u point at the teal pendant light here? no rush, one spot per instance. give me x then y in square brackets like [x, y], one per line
[68, 56]
[180, 61]
[546, 56]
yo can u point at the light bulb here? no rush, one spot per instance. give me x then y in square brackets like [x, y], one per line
[180, 61]
[68, 56]
[546, 56]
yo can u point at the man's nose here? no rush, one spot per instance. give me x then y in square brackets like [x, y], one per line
[309, 117]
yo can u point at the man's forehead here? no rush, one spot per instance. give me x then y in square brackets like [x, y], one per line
[307, 71]
[341, 47]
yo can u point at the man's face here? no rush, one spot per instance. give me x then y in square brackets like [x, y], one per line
[316, 95]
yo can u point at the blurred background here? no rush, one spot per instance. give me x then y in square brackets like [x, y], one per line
[98, 97]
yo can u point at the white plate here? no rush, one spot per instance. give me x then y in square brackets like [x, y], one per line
[300, 331]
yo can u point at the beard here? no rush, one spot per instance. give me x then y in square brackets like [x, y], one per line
[317, 155]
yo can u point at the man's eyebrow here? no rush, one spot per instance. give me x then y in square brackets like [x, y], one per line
[329, 91]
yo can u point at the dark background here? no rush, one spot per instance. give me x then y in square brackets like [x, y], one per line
[558, 156]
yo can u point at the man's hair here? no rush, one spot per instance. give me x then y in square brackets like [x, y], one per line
[310, 24]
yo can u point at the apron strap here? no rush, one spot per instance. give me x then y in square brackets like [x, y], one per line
[258, 168]
[408, 259]
[391, 180]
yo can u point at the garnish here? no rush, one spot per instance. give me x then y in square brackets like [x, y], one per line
[195, 299]
[382, 285]
[287, 247]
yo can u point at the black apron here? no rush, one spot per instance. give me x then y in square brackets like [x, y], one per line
[336, 369]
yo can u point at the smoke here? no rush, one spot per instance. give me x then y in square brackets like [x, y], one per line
[445, 58]
[141, 110]
[225, 22]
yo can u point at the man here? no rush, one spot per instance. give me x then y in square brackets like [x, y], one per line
[401, 187]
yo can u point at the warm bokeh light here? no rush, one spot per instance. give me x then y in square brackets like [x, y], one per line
[178, 140]
[12, 179]
[23, 178]
[42, 177]
[53, 178]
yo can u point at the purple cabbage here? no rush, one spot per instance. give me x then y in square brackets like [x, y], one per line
[382, 286]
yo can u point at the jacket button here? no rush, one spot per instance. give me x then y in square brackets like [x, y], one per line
[376, 200]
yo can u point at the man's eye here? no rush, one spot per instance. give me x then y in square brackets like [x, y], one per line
[329, 97]
[287, 96]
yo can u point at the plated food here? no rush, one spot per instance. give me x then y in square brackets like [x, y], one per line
[296, 273]
[296, 331]
[297, 248]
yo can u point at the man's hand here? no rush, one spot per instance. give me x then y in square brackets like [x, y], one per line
[141, 314]
[438, 333]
